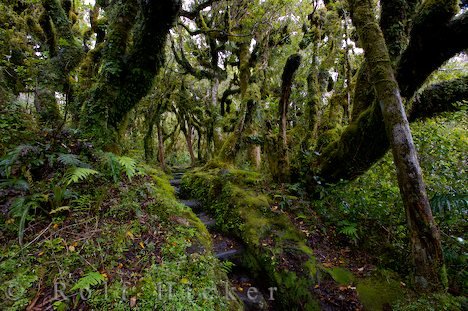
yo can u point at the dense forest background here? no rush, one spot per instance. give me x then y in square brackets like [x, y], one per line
[325, 141]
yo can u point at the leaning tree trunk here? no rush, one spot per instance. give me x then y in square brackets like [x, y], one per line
[292, 64]
[425, 242]
[161, 156]
[435, 37]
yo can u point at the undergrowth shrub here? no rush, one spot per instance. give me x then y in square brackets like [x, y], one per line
[369, 210]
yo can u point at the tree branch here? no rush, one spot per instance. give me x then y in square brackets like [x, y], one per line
[435, 38]
[194, 13]
[439, 98]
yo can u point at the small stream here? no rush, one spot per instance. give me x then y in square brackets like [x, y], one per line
[251, 291]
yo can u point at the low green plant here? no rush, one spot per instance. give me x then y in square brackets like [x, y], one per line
[89, 280]
[116, 165]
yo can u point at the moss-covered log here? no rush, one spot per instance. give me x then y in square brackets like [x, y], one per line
[425, 241]
[268, 237]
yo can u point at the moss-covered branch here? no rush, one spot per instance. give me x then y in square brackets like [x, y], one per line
[435, 37]
[437, 98]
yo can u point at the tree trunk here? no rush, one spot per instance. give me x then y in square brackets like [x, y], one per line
[162, 160]
[424, 235]
[148, 143]
[132, 56]
[188, 133]
[292, 64]
[232, 144]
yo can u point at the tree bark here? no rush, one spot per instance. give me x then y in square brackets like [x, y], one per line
[437, 98]
[161, 156]
[364, 141]
[425, 242]
[292, 65]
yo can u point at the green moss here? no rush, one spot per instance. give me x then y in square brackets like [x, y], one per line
[378, 291]
[268, 236]
[341, 275]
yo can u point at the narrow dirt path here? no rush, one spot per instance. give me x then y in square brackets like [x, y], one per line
[251, 292]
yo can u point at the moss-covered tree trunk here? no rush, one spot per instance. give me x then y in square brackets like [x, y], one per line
[65, 54]
[161, 153]
[232, 144]
[132, 56]
[435, 35]
[292, 64]
[425, 242]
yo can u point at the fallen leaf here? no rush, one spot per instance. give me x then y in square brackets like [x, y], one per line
[133, 301]
[142, 245]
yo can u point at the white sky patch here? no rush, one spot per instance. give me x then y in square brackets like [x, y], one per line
[89, 2]
[252, 45]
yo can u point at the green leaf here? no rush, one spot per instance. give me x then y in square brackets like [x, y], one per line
[89, 280]
[77, 174]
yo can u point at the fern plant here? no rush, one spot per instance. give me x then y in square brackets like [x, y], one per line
[23, 156]
[71, 160]
[77, 174]
[349, 229]
[90, 279]
[118, 164]
[21, 208]
[129, 166]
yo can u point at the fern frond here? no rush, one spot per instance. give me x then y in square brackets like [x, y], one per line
[20, 208]
[89, 280]
[110, 160]
[77, 174]
[69, 159]
[129, 165]
[446, 203]
[16, 183]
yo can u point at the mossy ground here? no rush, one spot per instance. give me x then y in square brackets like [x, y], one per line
[275, 248]
[133, 236]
